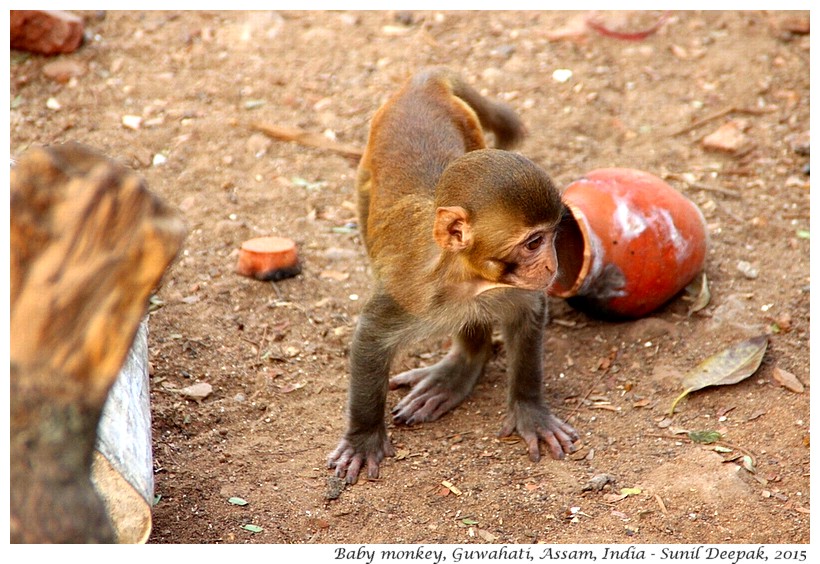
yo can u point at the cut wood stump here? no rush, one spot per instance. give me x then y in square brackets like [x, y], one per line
[89, 242]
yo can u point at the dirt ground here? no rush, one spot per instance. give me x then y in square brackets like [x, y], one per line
[276, 353]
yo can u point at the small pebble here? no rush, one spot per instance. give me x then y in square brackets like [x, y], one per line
[747, 269]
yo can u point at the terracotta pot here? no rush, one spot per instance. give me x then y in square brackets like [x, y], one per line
[630, 243]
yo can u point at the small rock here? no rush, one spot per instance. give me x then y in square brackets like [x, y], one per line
[47, 32]
[338, 253]
[561, 75]
[504, 51]
[198, 391]
[404, 17]
[258, 144]
[797, 26]
[728, 138]
[53, 104]
[62, 70]
[747, 270]
[800, 142]
[335, 487]
[597, 483]
[131, 122]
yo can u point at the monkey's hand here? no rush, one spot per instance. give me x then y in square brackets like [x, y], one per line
[356, 450]
[536, 424]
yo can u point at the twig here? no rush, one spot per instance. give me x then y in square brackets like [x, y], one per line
[720, 114]
[308, 138]
[726, 191]
[706, 187]
[625, 35]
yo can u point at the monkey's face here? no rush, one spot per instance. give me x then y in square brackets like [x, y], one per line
[530, 263]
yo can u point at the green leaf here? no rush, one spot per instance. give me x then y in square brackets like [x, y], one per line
[630, 491]
[803, 234]
[749, 464]
[720, 448]
[729, 366]
[467, 521]
[237, 501]
[705, 437]
[252, 528]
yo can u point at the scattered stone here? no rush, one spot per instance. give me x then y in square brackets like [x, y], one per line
[258, 144]
[747, 270]
[53, 104]
[132, 122]
[504, 51]
[728, 138]
[335, 487]
[47, 32]
[797, 26]
[198, 391]
[561, 75]
[63, 70]
[800, 142]
[405, 17]
[598, 482]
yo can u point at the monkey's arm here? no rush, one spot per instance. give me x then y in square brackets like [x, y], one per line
[528, 414]
[374, 344]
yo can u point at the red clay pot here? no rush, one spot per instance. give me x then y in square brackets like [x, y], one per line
[630, 243]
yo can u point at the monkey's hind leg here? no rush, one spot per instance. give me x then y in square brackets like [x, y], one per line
[439, 388]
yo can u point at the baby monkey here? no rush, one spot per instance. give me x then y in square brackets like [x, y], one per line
[459, 237]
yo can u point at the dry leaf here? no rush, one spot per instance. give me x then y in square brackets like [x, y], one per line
[788, 380]
[700, 289]
[729, 366]
[705, 437]
[451, 487]
[288, 388]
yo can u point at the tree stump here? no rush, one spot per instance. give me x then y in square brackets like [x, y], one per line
[89, 243]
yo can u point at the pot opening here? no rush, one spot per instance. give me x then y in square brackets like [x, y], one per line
[574, 256]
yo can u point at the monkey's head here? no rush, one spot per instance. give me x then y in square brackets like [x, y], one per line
[497, 212]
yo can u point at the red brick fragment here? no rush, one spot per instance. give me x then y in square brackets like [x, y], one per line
[47, 32]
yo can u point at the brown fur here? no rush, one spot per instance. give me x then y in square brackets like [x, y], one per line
[459, 237]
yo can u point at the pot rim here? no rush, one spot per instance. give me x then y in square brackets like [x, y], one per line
[579, 220]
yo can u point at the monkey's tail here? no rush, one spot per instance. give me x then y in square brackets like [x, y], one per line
[497, 117]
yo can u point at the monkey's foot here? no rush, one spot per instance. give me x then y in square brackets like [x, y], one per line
[352, 454]
[436, 390]
[536, 424]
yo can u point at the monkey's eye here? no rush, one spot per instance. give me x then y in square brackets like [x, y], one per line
[535, 242]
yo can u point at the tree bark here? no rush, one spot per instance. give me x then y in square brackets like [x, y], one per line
[89, 243]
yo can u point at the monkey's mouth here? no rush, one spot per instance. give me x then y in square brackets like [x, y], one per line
[539, 282]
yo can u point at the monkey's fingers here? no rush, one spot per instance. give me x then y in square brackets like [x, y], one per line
[347, 463]
[559, 437]
[352, 475]
[418, 408]
[409, 378]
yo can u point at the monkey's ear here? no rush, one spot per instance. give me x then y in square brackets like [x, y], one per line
[451, 230]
